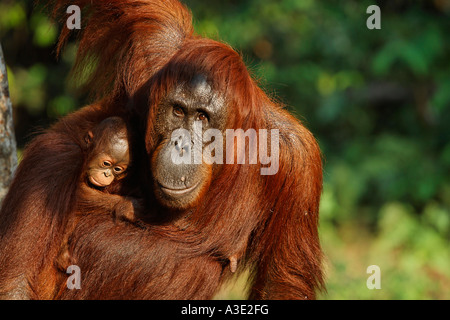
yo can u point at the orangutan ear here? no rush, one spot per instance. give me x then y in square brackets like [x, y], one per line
[88, 138]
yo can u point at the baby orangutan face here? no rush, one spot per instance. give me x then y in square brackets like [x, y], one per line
[109, 156]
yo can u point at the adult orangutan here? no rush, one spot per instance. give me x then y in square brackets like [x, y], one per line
[201, 221]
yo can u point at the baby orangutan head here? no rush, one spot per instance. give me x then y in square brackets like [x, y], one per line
[108, 152]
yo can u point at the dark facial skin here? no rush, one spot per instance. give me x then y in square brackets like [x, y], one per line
[109, 158]
[179, 186]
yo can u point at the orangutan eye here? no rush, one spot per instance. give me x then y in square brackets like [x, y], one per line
[118, 169]
[106, 163]
[202, 116]
[178, 111]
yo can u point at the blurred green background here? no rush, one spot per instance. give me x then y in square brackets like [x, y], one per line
[378, 102]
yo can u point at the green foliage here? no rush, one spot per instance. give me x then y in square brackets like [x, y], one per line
[45, 32]
[12, 15]
[377, 100]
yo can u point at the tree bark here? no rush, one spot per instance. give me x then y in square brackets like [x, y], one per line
[8, 152]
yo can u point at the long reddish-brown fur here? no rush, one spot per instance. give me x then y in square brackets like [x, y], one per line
[140, 51]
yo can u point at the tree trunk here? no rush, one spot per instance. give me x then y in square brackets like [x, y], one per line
[8, 154]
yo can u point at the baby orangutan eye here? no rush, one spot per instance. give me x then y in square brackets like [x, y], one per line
[106, 163]
[118, 169]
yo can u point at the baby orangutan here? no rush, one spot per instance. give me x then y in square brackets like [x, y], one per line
[108, 155]
[107, 160]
